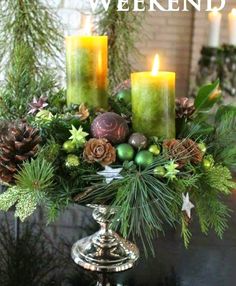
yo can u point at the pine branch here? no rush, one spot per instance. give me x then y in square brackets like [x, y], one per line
[36, 175]
[185, 232]
[30, 42]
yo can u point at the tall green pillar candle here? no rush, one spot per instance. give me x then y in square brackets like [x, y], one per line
[86, 62]
[153, 103]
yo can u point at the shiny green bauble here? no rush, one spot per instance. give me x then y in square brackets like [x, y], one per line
[154, 149]
[124, 95]
[208, 162]
[144, 159]
[69, 146]
[159, 172]
[125, 152]
[202, 147]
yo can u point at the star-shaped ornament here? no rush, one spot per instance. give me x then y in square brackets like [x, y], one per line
[78, 136]
[111, 174]
[187, 205]
[171, 170]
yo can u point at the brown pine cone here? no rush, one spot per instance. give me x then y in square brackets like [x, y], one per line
[176, 151]
[184, 107]
[17, 145]
[99, 150]
[194, 151]
[183, 151]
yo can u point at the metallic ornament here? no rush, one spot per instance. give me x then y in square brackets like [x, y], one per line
[105, 250]
[187, 205]
[144, 159]
[124, 96]
[138, 141]
[111, 174]
[125, 152]
[110, 126]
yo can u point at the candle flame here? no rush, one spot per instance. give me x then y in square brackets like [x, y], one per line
[88, 25]
[215, 10]
[233, 11]
[156, 65]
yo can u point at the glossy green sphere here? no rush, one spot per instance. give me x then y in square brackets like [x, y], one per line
[144, 159]
[124, 95]
[125, 152]
[69, 146]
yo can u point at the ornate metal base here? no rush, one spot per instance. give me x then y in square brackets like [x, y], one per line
[105, 250]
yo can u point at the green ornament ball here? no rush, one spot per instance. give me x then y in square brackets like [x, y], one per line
[208, 163]
[124, 95]
[159, 171]
[155, 149]
[125, 152]
[69, 146]
[72, 161]
[202, 146]
[144, 158]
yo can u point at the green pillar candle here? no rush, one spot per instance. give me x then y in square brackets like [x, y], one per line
[153, 103]
[86, 62]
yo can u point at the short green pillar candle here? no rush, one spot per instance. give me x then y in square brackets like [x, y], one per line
[153, 103]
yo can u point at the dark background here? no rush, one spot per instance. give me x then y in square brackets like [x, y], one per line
[41, 255]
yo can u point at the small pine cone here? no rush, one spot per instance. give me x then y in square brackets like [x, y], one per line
[17, 145]
[184, 107]
[176, 151]
[99, 150]
[195, 153]
[122, 86]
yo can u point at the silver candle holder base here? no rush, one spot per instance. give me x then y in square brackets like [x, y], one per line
[104, 251]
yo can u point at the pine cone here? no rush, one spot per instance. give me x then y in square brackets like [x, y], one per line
[122, 86]
[176, 151]
[196, 154]
[99, 150]
[184, 107]
[18, 144]
[183, 151]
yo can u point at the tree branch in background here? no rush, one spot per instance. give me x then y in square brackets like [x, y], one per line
[30, 42]
[123, 30]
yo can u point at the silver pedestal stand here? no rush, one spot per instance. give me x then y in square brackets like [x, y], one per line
[104, 251]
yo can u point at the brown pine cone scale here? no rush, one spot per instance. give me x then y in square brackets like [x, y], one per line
[18, 144]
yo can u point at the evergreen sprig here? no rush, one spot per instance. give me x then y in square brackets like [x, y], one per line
[34, 179]
[123, 31]
[223, 138]
[30, 42]
[35, 175]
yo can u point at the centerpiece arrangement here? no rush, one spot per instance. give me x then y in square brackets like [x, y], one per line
[141, 158]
